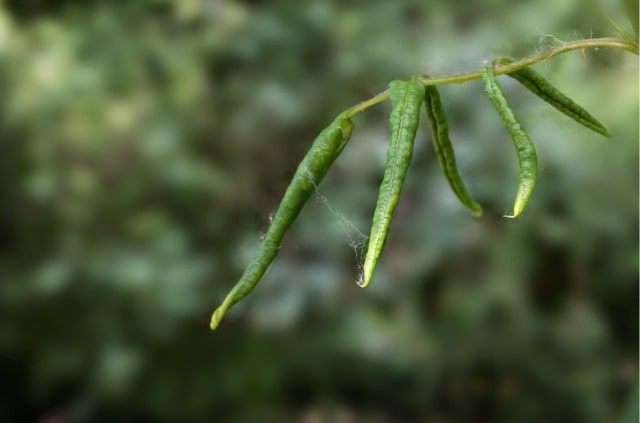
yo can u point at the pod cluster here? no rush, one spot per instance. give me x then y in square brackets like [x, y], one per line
[527, 157]
[406, 98]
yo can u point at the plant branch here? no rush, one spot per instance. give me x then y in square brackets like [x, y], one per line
[507, 68]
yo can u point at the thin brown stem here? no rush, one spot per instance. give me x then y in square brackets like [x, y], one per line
[507, 68]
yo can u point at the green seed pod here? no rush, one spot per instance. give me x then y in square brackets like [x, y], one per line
[538, 85]
[444, 149]
[325, 149]
[525, 149]
[406, 98]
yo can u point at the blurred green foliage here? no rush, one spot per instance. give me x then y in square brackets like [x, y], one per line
[143, 146]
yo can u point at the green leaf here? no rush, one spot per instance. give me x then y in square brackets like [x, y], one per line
[630, 38]
[631, 6]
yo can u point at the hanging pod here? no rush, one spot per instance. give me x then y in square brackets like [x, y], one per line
[538, 85]
[444, 149]
[406, 99]
[324, 150]
[525, 149]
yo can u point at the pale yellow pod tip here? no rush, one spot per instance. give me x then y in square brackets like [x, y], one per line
[215, 319]
[516, 212]
[363, 281]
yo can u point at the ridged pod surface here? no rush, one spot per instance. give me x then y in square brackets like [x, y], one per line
[527, 157]
[444, 149]
[325, 149]
[538, 85]
[406, 99]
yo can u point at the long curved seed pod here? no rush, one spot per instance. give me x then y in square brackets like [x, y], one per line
[325, 149]
[527, 156]
[538, 85]
[444, 149]
[406, 98]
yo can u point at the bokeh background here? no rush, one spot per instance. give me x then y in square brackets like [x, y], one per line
[144, 145]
